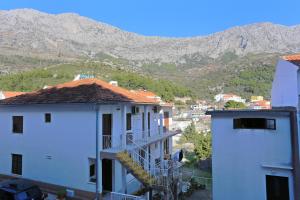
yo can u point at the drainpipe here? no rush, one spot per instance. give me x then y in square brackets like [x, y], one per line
[295, 153]
[97, 152]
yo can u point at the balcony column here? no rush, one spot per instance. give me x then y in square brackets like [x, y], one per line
[123, 132]
[124, 182]
[161, 153]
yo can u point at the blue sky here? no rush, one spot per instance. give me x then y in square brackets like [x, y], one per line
[176, 18]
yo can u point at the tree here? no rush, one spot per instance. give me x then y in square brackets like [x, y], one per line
[234, 105]
[201, 141]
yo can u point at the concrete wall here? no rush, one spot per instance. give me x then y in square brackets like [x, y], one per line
[241, 156]
[285, 85]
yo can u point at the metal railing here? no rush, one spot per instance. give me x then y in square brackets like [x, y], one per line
[106, 142]
[121, 196]
[142, 138]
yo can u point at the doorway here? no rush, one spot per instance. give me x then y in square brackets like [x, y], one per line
[107, 174]
[277, 188]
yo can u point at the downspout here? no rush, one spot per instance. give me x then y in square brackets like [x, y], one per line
[97, 152]
[295, 153]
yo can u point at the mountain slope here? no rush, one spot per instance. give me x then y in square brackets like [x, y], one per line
[240, 59]
[27, 31]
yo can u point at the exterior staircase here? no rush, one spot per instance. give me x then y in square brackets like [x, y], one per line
[135, 169]
[156, 176]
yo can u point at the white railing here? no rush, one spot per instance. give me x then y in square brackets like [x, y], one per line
[121, 196]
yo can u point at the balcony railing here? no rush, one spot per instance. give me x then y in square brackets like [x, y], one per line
[141, 138]
[121, 196]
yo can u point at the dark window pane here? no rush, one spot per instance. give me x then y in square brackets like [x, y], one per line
[17, 124]
[16, 164]
[47, 117]
[277, 188]
[128, 121]
[143, 121]
[92, 170]
[254, 123]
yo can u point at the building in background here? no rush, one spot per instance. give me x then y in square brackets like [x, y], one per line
[256, 152]
[256, 98]
[229, 97]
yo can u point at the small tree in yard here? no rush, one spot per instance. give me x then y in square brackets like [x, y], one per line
[201, 141]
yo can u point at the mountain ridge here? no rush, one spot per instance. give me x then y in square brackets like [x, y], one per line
[31, 31]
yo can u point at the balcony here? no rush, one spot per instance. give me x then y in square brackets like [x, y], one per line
[114, 144]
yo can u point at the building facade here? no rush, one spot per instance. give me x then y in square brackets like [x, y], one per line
[256, 152]
[70, 135]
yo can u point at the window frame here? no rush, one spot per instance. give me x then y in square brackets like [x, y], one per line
[238, 125]
[47, 117]
[92, 161]
[15, 128]
[17, 164]
[128, 121]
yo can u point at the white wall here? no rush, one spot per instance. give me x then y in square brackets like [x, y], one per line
[285, 85]
[69, 139]
[239, 155]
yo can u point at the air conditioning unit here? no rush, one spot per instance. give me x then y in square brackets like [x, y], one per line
[155, 109]
[135, 110]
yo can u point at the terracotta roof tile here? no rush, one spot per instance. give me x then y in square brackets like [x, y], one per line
[81, 91]
[295, 59]
[9, 94]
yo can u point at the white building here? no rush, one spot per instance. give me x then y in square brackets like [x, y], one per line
[229, 97]
[71, 135]
[256, 152]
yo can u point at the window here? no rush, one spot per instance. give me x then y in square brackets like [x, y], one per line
[17, 124]
[143, 121]
[47, 117]
[128, 121]
[16, 167]
[149, 120]
[166, 146]
[254, 123]
[277, 187]
[92, 170]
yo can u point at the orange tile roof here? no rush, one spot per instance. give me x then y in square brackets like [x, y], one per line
[145, 93]
[9, 94]
[80, 91]
[295, 59]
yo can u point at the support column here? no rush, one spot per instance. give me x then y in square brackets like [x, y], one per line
[123, 136]
[161, 153]
[124, 181]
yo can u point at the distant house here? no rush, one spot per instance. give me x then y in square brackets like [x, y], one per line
[229, 97]
[262, 104]
[87, 136]
[256, 152]
[256, 98]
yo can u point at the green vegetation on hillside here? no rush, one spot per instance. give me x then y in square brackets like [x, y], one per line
[37, 78]
[234, 105]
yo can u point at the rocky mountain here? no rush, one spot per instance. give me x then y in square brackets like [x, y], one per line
[30, 32]
[240, 59]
